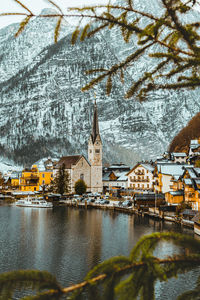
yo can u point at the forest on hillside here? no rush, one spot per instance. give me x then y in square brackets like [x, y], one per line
[181, 141]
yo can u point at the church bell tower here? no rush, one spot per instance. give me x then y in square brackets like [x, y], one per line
[95, 155]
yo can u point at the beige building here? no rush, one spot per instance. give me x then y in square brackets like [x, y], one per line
[78, 168]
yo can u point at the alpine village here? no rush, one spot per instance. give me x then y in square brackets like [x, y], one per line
[168, 188]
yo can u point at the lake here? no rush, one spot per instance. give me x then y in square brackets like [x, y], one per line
[68, 242]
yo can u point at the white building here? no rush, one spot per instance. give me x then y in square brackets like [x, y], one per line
[141, 177]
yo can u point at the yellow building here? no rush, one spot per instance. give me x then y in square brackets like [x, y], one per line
[191, 181]
[45, 177]
[176, 196]
[15, 183]
[29, 180]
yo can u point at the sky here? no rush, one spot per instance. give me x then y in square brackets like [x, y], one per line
[36, 6]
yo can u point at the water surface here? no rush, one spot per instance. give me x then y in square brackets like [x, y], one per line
[68, 242]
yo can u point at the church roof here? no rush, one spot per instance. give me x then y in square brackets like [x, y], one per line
[68, 161]
[95, 125]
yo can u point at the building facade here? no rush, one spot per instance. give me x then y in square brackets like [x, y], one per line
[141, 178]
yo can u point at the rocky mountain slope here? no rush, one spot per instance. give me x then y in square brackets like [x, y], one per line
[43, 111]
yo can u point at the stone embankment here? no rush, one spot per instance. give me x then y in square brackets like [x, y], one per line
[113, 205]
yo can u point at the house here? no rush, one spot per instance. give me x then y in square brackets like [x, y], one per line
[194, 151]
[191, 183]
[141, 177]
[115, 178]
[176, 195]
[179, 157]
[29, 180]
[165, 173]
[45, 167]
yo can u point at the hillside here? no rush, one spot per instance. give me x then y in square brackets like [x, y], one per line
[181, 141]
[43, 111]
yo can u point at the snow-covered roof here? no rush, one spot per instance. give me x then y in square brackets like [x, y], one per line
[106, 176]
[122, 176]
[147, 166]
[171, 169]
[179, 154]
[194, 142]
[191, 172]
[44, 162]
[176, 193]
[120, 166]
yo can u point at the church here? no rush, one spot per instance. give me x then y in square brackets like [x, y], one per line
[89, 170]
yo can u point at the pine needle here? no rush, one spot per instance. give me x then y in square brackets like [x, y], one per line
[57, 29]
[23, 25]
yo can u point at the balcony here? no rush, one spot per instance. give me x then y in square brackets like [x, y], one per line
[139, 173]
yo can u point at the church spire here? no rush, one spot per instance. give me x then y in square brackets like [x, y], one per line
[95, 125]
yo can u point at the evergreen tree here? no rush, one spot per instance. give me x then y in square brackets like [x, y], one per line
[168, 39]
[2, 182]
[80, 187]
[61, 183]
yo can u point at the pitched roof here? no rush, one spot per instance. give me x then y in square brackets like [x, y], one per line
[68, 161]
[171, 169]
[147, 166]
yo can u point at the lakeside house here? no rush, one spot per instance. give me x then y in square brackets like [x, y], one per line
[115, 178]
[141, 177]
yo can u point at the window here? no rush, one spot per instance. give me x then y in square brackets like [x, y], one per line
[43, 182]
[97, 150]
[43, 175]
[82, 176]
[90, 150]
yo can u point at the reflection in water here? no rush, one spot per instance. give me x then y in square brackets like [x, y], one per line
[68, 242]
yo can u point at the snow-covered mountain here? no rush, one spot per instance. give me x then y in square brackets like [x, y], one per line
[43, 111]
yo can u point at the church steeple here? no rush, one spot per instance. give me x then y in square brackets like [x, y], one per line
[95, 125]
[95, 154]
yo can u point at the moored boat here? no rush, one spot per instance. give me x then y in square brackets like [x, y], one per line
[33, 202]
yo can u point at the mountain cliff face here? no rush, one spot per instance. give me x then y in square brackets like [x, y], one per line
[43, 111]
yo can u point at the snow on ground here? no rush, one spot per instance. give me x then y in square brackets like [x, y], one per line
[6, 167]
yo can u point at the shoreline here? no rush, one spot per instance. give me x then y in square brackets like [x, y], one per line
[127, 210]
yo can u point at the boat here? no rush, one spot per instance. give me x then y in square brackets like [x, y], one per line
[33, 202]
